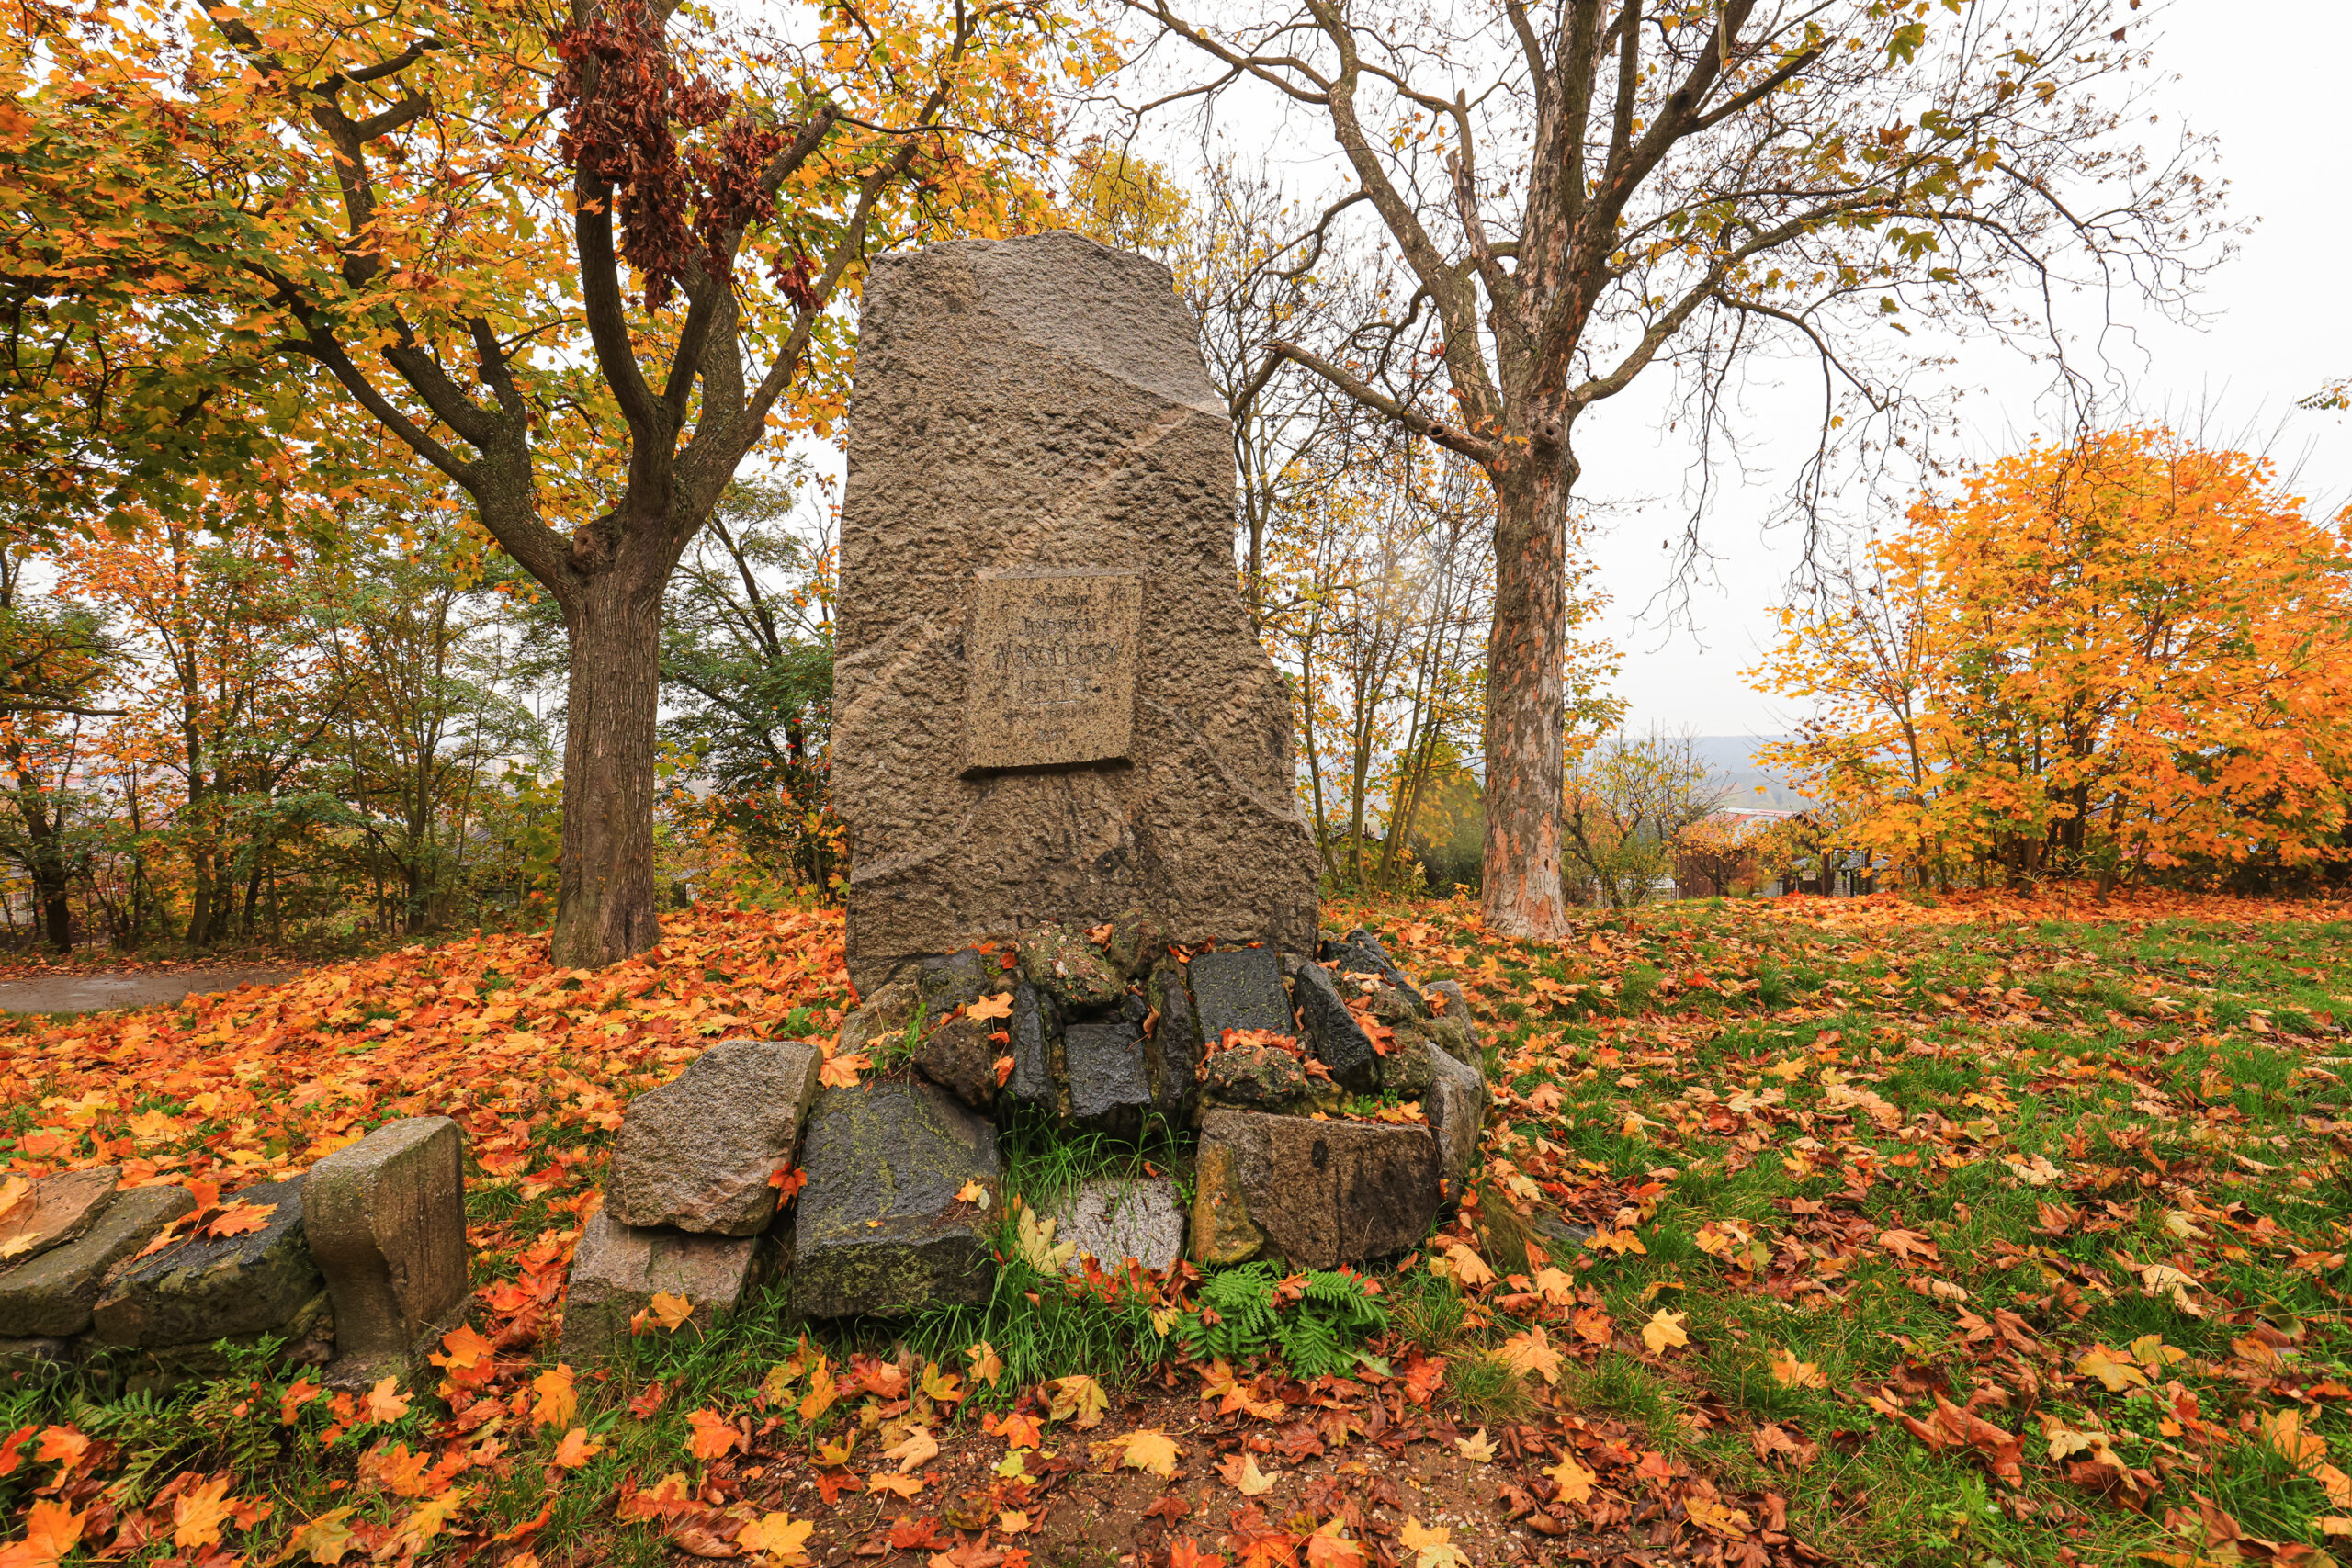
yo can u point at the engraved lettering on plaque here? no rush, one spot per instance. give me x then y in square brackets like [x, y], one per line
[1051, 663]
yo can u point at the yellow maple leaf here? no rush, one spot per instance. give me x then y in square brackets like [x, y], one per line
[2103, 1363]
[897, 1485]
[1574, 1480]
[1664, 1331]
[198, 1512]
[822, 1391]
[1241, 1473]
[987, 1366]
[841, 1071]
[1475, 1448]
[1790, 1372]
[1079, 1399]
[1149, 1450]
[326, 1539]
[1469, 1269]
[1530, 1354]
[668, 1313]
[557, 1401]
[154, 1126]
[576, 1449]
[1034, 1238]
[780, 1538]
[386, 1402]
[918, 1449]
[972, 1192]
[1432, 1546]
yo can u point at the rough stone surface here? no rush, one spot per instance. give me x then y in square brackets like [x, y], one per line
[206, 1290]
[1455, 1106]
[1173, 1051]
[1361, 953]
[960, 1058]
[1064, 965]
[1037, 1040]
[697, 1152]
[1108, 1090]
[1222, 1231]
[385, 1222]
[59, 1209]
[1458, 1040]
[880, 1018]
[956, 980]
[1337, 1040]
[1328, 1192]
[617, 1270]
[307, 1339]
[1455, 1005]
[1240, 990]
[1136, 943]
[880, 1227]
[1039, 405]
[1113, 1221]
[1406, 1072]
[1256, 1078]
[53, 1295]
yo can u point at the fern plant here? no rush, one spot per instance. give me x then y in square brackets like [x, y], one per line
[1318, 1335]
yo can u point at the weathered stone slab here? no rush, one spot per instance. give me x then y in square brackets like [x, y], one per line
[306, 1339]
[1455, 1106]
[59, 1209]
[880, 1228]
[617, 1270]
[1256, 1078]
[1221, 1231]
[36, 1358]
[1063, 964]
[1114, 1221]
[1322, 1193]
[385, 1222]
[698, 1154]
[960, 1058]
[880, 1018]
[1172, 1051]
[1036, 1040]
[51, 1295]
[1240, 990]
[1407, 1072]
[1337, 1040]
[1039, 405]
[1108, 1090]
[1455, 1005]
[1136, 944]
[957, 980]
[215, 1289]
[1361, 953]
[1050, 676]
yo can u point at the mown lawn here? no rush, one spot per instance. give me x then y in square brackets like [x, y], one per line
[1993, 1231]
[1996, 1230]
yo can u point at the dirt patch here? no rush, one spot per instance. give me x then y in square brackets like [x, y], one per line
[110, 989]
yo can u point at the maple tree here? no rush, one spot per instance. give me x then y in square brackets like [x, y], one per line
[579, 267]
[1577, 195]
[2122, 656]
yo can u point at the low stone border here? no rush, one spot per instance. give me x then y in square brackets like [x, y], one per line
[358, 1265]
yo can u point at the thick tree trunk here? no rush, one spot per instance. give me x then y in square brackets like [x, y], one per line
[1526, 716]
[606, 907]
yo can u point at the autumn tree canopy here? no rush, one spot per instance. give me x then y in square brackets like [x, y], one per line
[579, 265]
[1582, 192]
[2123, 655]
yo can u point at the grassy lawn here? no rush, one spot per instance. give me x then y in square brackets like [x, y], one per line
[1987, 1231]
[1995, 1231]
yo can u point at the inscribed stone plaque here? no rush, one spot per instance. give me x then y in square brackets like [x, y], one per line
[1052, 661]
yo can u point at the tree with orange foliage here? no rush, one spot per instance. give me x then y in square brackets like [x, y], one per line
[2123, 656]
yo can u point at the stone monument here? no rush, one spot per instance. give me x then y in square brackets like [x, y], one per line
[1047, 702]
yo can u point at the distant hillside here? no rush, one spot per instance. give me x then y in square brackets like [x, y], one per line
[1733, 757]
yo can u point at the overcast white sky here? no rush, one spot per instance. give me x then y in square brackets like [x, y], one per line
[2267, 79]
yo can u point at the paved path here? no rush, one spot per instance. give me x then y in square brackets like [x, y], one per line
[98, 993]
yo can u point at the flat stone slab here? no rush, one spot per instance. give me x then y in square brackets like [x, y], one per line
[58, 1209]
[385, 1222]
[51, 1295]
[617, 1270]
[1321, 1193]
[698, 1153]
[1110, 1088]
[130, 988]
[1240, 990]
[880, 1227]
[206, 1290]
[1115, 1221]
[1332, 1032]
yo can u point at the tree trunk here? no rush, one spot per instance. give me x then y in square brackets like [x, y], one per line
[1521, 894]
[606, 907]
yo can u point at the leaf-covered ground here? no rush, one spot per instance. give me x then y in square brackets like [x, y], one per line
[1996, 1230]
